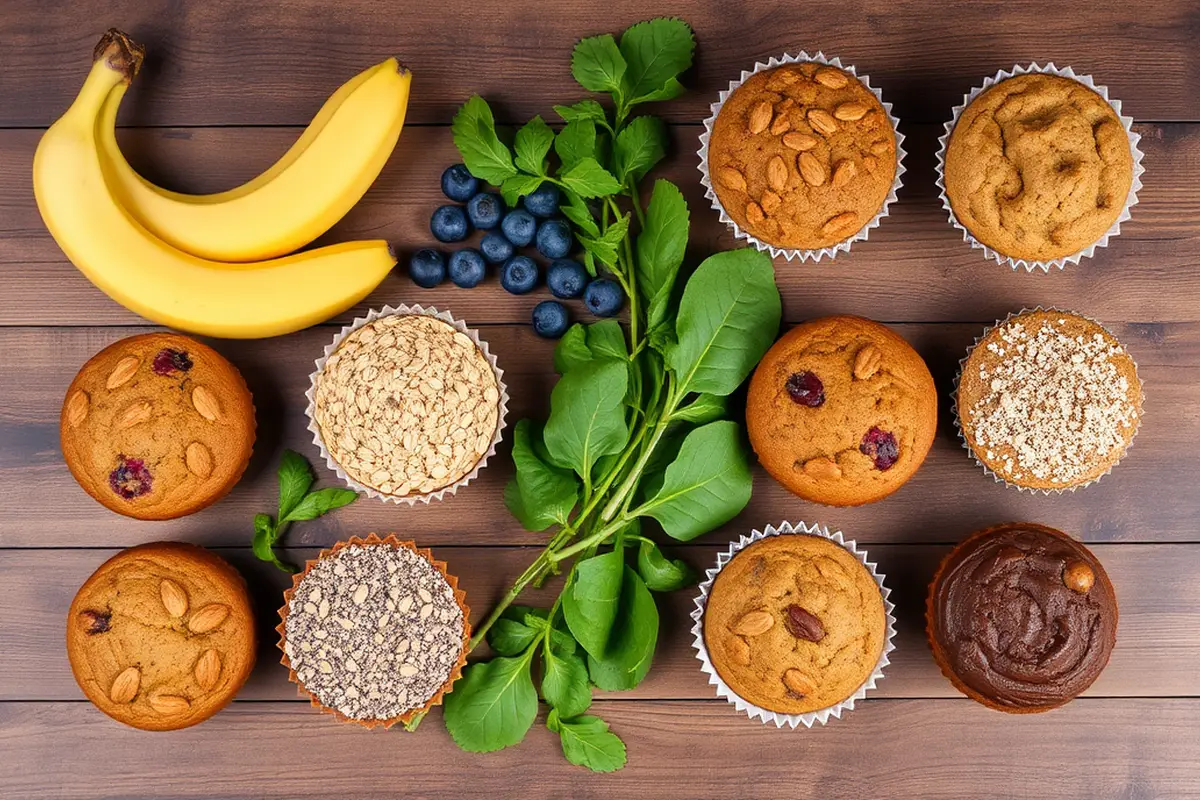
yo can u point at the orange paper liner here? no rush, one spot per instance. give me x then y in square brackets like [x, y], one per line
[455, 673]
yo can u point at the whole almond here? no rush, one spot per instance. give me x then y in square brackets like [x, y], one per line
[843, 173]
[811, 169]
[781, 125]
[122, 372]
[785, 104]
[169, 704]
[198, 459]
[208, 618]
[754, 213]
[781, 79]
[739, 650]
[870, 162]
[867, 362]
[840, 225]
[77, 407]
[822, 121]
[174, 598]
[754, 623]
[770, 202]
[823, 469]
[834, 79]
[730, 178]
[208, 669]
[206, 404]
[760, 116]
[125, 687]
[798, 683]
[800, 141]
[135, 414]
[882, 147]
[851, 112]
[777, 173]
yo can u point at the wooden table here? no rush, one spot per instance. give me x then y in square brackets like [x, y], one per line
[229, 85]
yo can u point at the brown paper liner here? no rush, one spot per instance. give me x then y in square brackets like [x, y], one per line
[455, 673]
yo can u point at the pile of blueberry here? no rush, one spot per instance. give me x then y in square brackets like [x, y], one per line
[505, 231]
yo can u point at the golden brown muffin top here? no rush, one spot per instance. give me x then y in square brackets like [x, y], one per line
[161, 636]
[802, 156]
[157, 426]
[1049, 400]
[794, 623]
[1038, 167]
[841, 410]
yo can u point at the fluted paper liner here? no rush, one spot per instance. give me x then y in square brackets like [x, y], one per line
[404, 310]
[962, 363]
[753, 711]
[1130, 201]
[789, 253]
[460, 597]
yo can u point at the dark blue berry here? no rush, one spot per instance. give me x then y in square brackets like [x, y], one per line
[459, 184]
[554, 238]
[550, 319]
[566, 278]
[449, 224]
[427, 268]
[603, 297]
[496, 249]
[519, 227]
[519, 275]
[467, 268]
[485, 210]
[542, 201]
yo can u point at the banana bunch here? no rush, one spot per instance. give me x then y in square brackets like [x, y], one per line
[209, 264]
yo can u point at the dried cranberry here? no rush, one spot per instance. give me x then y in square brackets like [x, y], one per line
[95, 622]
[169, 361]
[881, 446]
[806, 389]
[130, 479]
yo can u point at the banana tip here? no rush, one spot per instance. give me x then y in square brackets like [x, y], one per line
[120, 52]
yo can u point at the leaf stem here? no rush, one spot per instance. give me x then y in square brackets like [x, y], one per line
[594, 540]
[530, 574]
[635, 474]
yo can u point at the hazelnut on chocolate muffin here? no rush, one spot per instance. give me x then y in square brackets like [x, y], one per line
[1021, 618]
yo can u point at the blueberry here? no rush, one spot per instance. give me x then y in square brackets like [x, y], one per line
[459, 184]
[554, 238]
[467, 268]
[496, 249]
[542, 201]
[448, 224]
[550, 319]
[485, 210]
[427, 268]
[603, 297]
[519, 227]
[566, 278]
[519, 275]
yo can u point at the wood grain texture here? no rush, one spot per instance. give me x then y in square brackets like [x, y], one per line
[915, 267]
[949, 496]
[224, 62]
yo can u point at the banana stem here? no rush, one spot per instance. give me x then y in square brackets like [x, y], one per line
[120, 53]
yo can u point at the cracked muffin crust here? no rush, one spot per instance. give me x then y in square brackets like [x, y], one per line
[841, 411]
[161, 636]
[1038, 167]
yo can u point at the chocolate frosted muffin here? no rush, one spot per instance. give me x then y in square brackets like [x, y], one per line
[1021, 618]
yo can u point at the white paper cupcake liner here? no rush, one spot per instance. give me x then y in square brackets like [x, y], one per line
[1130, 201]
[756, 712]
[404, 310]
[790, 254]
[962, 363]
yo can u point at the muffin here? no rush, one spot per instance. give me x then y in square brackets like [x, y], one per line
[407, 405]
[161, 636]
[1048, 400]
[1021, 618]
[374, 631]
[794, 623]
[1038, 167]
[841, 411]
[157, 426]
[802, 156]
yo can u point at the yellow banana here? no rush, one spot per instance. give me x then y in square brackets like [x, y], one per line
[325, 172]
[158, 281]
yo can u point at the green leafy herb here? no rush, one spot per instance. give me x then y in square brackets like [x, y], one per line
[655, 53]
[587, 742]
[547, 494]
[590, 600]
[296, 503]
[586, 418]
[660, 249]
[474, 130]
[565, 684]
[532, 144]
[575, 142]
[660, 573]
[598, 65]
[639, 146]
[630, 649]
[493, 706]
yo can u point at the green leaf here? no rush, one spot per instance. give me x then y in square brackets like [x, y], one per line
[705, 408]
[706, 485]
[670, 90]
[587, 742]
[565, 682]
[485, 155]
[547, 493]
[493, 706]
[587, 419]
[576, 141]
[605, 246]
[588, 179]
[509, 637]
[295, 479]
[660, 573]
[572, 350]
[639, 146]
[597, 64]
[590, 599]
[728, 317]
[531, 144]
[320, 502]
[576, 210]
[660, 249]
[630, 649]
[656, 52]
[606, 340]
[265, 536]
[516, 187]
[583, 110]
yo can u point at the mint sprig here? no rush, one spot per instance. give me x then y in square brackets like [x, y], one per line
[296, 503]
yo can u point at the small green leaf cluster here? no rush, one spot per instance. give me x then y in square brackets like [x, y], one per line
[296, 503]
